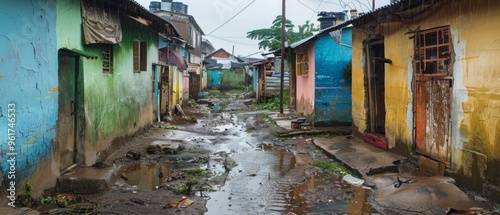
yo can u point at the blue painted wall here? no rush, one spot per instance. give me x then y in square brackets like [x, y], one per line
[28, 79]
[332, 104]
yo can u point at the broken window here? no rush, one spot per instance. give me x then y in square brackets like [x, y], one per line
[140, 55]
[302, 64]
[107, 58]
[433, 52]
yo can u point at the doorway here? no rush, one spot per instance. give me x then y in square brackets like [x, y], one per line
[67, 108]
[375, 86]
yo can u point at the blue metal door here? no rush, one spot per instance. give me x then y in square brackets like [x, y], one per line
[215, 79]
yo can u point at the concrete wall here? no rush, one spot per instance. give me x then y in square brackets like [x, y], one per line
[306, 83]
[28, 80]
[116, 105]
[229, 79]
[476, 87]
[332, 100]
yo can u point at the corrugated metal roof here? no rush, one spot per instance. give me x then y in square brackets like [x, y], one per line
[135, 9]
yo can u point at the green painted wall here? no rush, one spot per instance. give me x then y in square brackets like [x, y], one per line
[118, 104]
[229, 79]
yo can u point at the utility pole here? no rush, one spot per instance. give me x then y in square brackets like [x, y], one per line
[373, 5]
[283, 37]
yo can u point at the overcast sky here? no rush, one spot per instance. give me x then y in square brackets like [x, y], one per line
[256, 14]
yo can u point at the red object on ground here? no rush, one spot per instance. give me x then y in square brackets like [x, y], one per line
[376, 139]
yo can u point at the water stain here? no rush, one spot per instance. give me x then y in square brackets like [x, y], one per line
[145, 176]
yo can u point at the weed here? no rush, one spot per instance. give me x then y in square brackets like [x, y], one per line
[195, 173]
[331, 166]
[25, 199]
[193, 104]
[266, 119]
[197, 151]
[273, 103]
[274, 133]
[250, 130]
[48, 200]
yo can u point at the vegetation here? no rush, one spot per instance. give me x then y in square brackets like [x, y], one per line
[266, 119]
[193, 176]
[168, 127]
[332, 167]
[273, 104]
[25, 199]
[270, 38]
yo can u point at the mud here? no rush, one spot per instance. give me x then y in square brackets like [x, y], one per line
[247, 170]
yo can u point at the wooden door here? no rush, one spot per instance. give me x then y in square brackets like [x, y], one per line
[194, 86]
[433, 117]
[376, 87]
[66, 126]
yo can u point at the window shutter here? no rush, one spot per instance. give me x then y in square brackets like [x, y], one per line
[136, 55]
[144, 56]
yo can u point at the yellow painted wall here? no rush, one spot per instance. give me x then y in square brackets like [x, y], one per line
[475, 28]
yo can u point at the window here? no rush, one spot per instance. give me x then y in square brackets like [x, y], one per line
[107, 62]
[433, 52]
[302, 64]
[140, 56]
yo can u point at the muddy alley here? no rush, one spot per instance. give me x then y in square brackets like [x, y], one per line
[224, 155]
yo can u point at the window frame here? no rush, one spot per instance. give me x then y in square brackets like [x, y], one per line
[302, 64]
[107, 58]
[140, 56]
[433, 52]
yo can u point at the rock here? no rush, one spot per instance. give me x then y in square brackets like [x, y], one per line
[167, 147]
[134, 155]
[137, 201]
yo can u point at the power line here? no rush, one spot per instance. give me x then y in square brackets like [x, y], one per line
[231, 17]
[316, 10]
[231, 41]
[306, 5]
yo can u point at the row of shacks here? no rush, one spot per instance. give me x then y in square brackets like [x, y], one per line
[417, 77]
[79, 78]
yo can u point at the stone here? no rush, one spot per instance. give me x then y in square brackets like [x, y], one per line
[86, 180]
[167, 147]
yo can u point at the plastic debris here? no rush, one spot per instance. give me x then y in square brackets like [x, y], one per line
[399, 182]
[353, 180]
[183, 203]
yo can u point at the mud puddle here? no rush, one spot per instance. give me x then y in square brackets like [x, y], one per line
[146, 177]
[271, 180]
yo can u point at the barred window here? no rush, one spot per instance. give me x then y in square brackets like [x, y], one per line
[433, 52]
[107, 63]
[140, 55]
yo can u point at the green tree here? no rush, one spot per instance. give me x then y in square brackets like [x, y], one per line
[270, 38]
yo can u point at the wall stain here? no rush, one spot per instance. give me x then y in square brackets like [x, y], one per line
[53, 90]
[1, 77]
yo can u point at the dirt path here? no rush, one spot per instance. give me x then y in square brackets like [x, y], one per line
[230, 162]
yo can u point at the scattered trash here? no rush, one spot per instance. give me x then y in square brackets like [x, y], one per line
[134, 155]
[183, 203]
[82, 208]
[400, 182]
[353, 180]
[179, 109]
[63, 200]
[384, 169]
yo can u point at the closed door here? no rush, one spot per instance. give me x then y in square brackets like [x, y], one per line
[66, 129]
[433, 117]
[215, 79]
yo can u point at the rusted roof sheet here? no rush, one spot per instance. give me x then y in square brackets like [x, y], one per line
[137, 11]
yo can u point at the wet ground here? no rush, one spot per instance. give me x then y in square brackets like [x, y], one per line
[245, 168]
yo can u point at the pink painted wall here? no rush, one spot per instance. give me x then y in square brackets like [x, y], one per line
[305, 84]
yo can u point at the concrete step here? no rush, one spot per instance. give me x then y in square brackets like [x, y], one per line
[17, 211]
[86, 180]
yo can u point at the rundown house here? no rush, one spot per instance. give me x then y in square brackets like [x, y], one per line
[192, 33]
[225, 71]
[320, 91]
[425, 79]
[78, 89]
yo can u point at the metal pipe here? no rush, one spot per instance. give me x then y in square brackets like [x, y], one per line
[283, 37]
